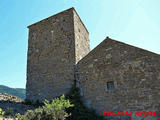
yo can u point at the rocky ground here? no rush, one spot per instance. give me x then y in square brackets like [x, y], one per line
[13, 105]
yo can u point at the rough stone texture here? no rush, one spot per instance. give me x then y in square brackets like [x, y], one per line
[82, 47]
[59, 53]
[134, 71]
[52, 54]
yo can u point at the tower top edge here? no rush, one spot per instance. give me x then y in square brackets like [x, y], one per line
[70, 9]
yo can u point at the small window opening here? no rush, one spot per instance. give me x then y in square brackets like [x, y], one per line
[110, 86]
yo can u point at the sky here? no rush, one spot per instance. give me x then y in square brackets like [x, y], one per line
[135, 22]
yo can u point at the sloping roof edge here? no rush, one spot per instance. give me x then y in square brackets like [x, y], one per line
[118, 42]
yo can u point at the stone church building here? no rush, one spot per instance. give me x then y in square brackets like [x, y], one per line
[114, 76]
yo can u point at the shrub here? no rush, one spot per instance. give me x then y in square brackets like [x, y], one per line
[1, 112]
[50, 111]
[79, 111]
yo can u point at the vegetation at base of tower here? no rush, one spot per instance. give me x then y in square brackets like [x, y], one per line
[79, 111]
[70, 107]
[1, 112]
[54, 110]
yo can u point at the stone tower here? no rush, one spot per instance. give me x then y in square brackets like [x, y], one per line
[55, 45]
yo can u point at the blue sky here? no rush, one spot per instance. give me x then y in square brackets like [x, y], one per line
[136, 22]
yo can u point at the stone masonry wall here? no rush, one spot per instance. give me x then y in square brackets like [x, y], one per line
[59, 53]
[82, 47]
[51, 57]
[52, 54]
[134, 71]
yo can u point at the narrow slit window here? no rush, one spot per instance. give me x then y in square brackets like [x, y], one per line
[110, 86]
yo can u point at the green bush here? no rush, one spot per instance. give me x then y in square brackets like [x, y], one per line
[50, 111]
[79, 111]
[1, 112]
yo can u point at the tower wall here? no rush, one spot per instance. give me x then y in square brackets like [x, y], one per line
[82, 47]
[52, 54]
[51, 57]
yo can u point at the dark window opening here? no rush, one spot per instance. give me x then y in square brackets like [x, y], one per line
[110, 86]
